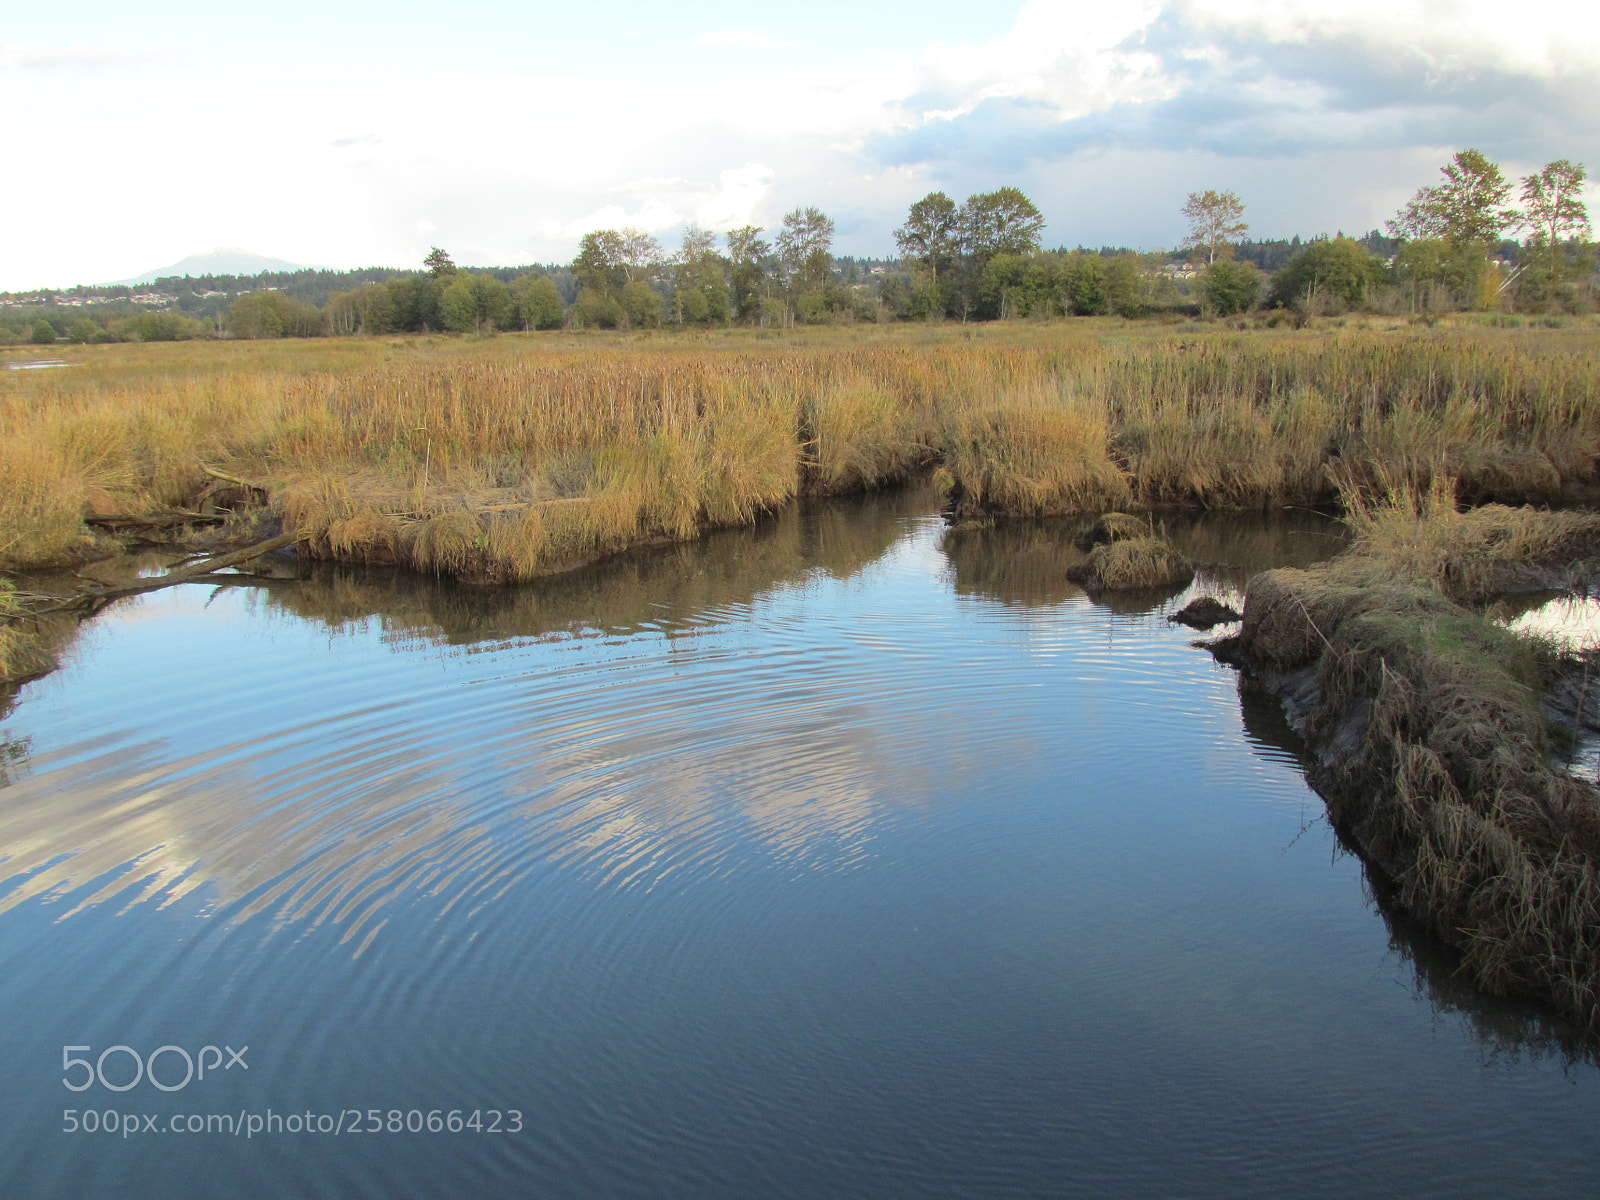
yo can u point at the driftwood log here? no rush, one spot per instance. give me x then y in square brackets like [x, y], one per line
[155, 520]
[226, 478]
[249, 485]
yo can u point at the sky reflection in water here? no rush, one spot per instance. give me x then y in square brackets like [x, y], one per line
[840, 856]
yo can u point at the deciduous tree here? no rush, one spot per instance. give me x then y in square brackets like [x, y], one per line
[1554, 212]
[641, 305]
[458, 306]
[1468, 207]
[341, 314]
[1000, 222]
[600, 266]
[700, 279]
[264, 314]
[376, 306]
[1215, 219]
[747, 251]
[1342, 270]
[538, 302]
[805, 247]
[932, 232]
[1231, 287]
[438, 263]
[639, 253]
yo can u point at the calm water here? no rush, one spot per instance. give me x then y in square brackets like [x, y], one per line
[840, 857]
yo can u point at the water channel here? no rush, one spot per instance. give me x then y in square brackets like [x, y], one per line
[843, 856]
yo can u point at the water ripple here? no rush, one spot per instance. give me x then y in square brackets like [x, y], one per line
[748, 873]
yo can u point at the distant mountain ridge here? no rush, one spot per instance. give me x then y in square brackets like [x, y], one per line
[224, 260]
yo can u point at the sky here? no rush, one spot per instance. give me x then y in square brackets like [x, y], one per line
[364, 133]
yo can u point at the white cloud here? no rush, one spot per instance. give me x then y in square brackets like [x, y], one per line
[740, 192]
[1075, 58]
[1254, 78]
[652, 216]
[1537, 36]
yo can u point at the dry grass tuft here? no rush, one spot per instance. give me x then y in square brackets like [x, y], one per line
[43, 502]
[863, 437]
[1140, 562]
[1032, 457]
[1468, 556]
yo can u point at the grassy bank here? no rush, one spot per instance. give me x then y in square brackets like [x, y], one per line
[1433, 751]
[508, 458]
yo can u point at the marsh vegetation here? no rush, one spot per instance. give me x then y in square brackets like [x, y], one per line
[505, 459]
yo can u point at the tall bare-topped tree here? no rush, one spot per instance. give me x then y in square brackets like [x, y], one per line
[805, 247]
[1554, 212]
[746, 245]
[640, 253]
[1215, 219]
[698, 244]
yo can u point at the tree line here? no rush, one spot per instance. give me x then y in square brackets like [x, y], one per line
[1450, 247]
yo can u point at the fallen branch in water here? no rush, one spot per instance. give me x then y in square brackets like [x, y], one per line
[204, 572]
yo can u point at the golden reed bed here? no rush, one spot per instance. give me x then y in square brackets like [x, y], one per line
[509, 457]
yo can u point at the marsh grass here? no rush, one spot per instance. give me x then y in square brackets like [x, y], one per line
[10, 636]
[859, 435]
[1467, 555]
[1027, 456]
[1495, 848]
[448, 455]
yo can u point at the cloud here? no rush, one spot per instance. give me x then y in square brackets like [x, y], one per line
[1540, 37]
[740, 191]
[1107, 114]
[652, 216]
[737, 39]
[1243, 78]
